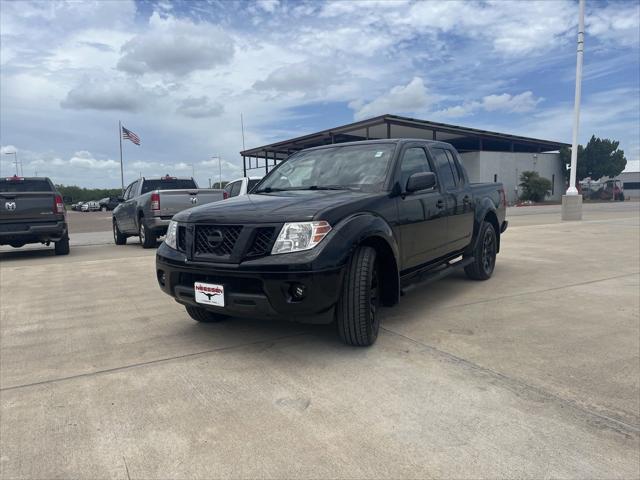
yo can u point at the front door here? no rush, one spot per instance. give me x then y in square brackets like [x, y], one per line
[422, 219]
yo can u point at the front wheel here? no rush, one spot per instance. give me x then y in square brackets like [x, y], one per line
[484, 254]
[203, 315]
[357, 310]
[148, 239]
[118, 237]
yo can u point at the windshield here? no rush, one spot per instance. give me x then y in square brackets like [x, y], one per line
[25, 185]
[167, 184]
[359, 167]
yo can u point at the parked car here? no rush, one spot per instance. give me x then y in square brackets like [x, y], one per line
[90, 207]
[240, 186]
[332, 233]
[150, 203]
[32, 211]
[108, 203]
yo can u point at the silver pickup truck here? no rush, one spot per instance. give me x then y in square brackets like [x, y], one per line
[149, 203]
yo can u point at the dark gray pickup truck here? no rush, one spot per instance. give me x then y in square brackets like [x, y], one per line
[332, 233]
[31, 211]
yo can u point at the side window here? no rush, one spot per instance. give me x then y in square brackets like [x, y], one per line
[235, 189]
[127, 192]
[414, 160]
[445, 169]
[132, 190]
[227, 189]
[457, 168]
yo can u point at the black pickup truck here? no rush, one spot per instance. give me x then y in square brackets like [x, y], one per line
[31, 211]
[332, 233]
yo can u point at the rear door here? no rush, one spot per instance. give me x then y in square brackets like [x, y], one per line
[422, 216]
[458, 197]
[26, 198]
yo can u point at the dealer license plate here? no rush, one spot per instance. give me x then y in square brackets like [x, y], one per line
[209, 293]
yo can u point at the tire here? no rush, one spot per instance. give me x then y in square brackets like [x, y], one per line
[357, 310]
[61, 247]
[484, 254]
[148, 239]
[200, 314]
[118, 237]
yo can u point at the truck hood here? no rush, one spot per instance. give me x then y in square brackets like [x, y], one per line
[277, 207]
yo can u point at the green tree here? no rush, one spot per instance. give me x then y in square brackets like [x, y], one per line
[534, 187]
[600, 158]
[80, 194]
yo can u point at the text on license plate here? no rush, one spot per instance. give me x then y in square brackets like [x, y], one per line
[209, 294]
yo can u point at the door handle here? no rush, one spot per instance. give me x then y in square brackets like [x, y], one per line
[439, 204]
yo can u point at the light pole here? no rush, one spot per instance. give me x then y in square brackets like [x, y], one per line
[219, 169]
[15, 159]
[571, 201]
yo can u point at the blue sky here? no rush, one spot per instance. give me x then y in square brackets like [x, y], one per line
[180, 73]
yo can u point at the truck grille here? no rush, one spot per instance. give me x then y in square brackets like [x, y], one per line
[216, 240]
[182, 239]
[261, 241]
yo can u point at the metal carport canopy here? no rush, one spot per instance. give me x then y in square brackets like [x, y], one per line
[393, 126]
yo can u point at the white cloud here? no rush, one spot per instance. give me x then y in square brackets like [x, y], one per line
[299, 77]
[505, 102]
[617, 23]
[124, 94]
[400, 99]
[268, 6]
[200, 107]
[177, 47]
[84, 159]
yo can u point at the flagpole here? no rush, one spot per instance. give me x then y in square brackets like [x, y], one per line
[121, 167]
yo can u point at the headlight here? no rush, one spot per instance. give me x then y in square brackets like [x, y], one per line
[295, 237]
[172, 235]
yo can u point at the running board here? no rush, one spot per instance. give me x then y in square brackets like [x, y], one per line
[436, 274]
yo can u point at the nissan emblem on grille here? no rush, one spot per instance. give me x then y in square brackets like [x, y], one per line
[215, 238]
[10, 206]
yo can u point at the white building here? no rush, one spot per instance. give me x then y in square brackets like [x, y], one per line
[630, 184]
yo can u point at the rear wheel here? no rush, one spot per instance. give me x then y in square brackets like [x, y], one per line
[484, 254]
[61, 247]
[118, 237]
[357, 310]
[200, 314]
[148, 239]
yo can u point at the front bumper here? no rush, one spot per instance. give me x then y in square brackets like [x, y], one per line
[22, 233]
[255, 291]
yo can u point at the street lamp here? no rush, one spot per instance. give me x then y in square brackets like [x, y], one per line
[572, 201]
[15, 159]
[219, 169]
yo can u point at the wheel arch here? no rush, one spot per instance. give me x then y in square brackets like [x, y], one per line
[390, 277]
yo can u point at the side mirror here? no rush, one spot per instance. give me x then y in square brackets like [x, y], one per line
[421, 181]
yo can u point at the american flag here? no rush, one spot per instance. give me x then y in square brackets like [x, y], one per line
[129, 135]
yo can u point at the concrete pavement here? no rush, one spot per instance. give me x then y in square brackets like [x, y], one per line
[531, 374]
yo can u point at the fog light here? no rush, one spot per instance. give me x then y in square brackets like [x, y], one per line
[297, 291]
[161, 277]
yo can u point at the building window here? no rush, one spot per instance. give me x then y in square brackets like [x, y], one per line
[553, 184]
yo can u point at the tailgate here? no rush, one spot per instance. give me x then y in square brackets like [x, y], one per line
[175, 201]
[26, 205]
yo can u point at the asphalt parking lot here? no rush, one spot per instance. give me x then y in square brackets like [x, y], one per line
[532, 374]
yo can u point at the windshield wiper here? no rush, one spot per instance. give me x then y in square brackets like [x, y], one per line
[323, 187]
[270, 189]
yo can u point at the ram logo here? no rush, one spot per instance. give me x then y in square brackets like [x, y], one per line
[194, 200]
[10, 206]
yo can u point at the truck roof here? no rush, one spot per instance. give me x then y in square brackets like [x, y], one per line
[380, 141]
